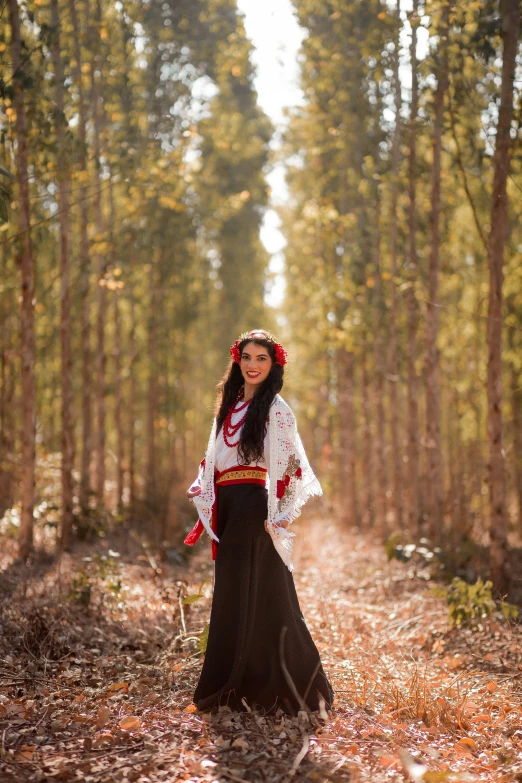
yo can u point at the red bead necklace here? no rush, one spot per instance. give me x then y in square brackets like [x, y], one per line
[229, 429]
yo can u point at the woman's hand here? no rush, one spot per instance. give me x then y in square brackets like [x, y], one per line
[194, 490]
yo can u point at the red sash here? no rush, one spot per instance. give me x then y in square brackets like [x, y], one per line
[234, 475]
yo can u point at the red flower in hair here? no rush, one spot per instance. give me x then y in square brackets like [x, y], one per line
[280, 354]
[235, 352]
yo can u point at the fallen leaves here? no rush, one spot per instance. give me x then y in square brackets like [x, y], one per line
[104, 715]
[130, 723]
[414, 701]
[240, 742]
[118, 687]
[469, 742]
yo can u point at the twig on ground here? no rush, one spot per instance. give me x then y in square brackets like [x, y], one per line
[286, 673]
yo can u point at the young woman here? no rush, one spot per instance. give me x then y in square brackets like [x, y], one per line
[252, 483]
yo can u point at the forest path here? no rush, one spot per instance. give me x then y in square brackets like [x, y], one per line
[104, 693]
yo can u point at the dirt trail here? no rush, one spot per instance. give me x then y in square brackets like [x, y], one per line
[102, 692]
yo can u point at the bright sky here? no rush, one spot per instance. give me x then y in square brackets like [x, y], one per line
[276, 36]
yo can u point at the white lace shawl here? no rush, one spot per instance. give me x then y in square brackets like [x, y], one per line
[288, 470]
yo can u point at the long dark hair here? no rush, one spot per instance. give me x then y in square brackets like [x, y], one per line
[250, 448]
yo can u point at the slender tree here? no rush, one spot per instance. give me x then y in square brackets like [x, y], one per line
[86, 402]
[152, 381]
[411, 299]
[393, 364]
[367, 450]
[101, 262]
[349, 494]
[381, 477]
[510, 11]
[118, 381]
[67, 433]
[132, 394]
[27, 269]
[433, 446]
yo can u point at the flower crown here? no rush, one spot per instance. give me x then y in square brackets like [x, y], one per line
[281, 355]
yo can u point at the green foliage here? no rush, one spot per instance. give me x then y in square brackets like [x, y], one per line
[347, 229]
[404, 552]
[102, 572]
[193, 597]
[203, 639]
[510, 611]
[91, 522]
[174, 125]
[469, 604]
[444, 562]
[81, 587]
[5, 198]
[10, 523]
[176, 244]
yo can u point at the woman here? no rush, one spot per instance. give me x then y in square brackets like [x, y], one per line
[252, 483]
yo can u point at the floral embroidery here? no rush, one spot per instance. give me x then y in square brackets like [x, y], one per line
[292, 469]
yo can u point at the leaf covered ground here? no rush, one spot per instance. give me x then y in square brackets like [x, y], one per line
[99, 659]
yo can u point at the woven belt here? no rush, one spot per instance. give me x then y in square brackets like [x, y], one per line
[238, 475]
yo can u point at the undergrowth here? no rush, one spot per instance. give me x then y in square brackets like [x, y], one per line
[468, 603]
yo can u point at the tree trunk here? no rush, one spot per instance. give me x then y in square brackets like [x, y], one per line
[152, 393]
[347, 437]
[381, 479]
[132, 404]
[170, 519]
[118, 395]
[411, 301]
[101, 266]
[27, 269]
[118, 404]
[368, 514]
[86, 455]
[7, 404]
[67, 429]
[496, 468]
[516, 417]
[434, 461]
[393, 365]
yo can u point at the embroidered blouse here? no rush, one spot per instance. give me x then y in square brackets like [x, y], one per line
[290, 482]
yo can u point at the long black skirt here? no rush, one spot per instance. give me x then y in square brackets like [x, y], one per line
[259, 648]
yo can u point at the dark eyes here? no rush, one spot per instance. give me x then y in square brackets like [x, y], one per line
[263, 358]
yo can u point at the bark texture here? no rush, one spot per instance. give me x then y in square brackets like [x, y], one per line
[433, 448]
[67, 429]
[27, 269]
[496, 465]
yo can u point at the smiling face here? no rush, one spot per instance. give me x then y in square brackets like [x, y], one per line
[255, 364]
